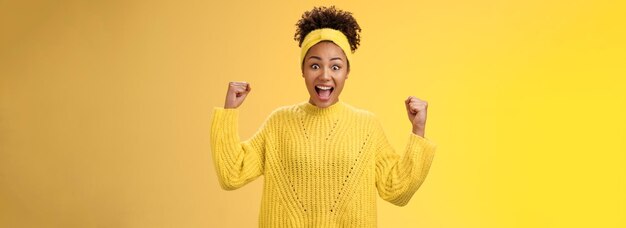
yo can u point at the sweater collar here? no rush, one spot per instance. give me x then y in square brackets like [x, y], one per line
[330, 110]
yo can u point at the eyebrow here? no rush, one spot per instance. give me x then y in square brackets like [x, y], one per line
[316, 57]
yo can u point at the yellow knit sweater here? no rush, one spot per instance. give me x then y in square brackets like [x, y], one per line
[322, 166]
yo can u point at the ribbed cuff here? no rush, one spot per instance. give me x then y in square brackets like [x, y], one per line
[420, 143]
[416, 140]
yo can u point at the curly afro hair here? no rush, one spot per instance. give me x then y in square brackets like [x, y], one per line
[329, 17]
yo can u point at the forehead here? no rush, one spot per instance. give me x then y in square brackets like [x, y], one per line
[326, 49]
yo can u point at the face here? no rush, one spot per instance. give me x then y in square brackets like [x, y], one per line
[325, 70]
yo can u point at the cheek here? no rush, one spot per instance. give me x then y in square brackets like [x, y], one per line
[339, 84]
[308, 75]
[308, 82]
[341, 79]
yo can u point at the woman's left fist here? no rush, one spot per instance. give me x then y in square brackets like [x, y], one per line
[416, 110]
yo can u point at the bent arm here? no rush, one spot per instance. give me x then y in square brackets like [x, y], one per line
[398, 178]
[237, 163]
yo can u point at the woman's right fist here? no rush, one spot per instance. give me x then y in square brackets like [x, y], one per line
[237, 92]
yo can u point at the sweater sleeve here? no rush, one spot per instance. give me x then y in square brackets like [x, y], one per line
[237, 163]
[397, 178]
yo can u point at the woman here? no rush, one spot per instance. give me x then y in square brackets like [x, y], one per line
[323, 160]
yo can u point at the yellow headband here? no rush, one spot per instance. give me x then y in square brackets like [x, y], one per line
[322, 34]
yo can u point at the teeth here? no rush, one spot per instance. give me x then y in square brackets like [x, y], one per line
[324, 87]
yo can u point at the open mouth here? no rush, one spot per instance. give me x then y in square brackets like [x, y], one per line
[323, 92]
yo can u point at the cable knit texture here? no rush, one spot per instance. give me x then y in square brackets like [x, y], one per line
[322, 166]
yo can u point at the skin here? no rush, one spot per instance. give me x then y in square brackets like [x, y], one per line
[325, 64]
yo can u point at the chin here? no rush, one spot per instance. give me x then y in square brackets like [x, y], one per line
[324, 104]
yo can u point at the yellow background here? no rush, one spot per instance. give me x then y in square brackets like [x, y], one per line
[105, 107]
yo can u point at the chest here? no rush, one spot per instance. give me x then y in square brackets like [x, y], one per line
[323, 145]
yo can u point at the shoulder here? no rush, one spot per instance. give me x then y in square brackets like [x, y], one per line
[361, 114]
[364, 116]
[283, 112]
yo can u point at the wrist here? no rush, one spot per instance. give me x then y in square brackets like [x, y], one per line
[230, 106]
[419, 130]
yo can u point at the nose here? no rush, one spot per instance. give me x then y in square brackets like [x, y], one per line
[326, 75]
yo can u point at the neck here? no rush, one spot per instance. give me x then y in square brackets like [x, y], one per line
[313, 103]
[332, 109]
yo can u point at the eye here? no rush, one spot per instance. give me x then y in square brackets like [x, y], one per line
[315, 66]
[335, 67]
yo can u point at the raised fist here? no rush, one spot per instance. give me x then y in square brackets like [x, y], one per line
[416, 110]
[236, 94]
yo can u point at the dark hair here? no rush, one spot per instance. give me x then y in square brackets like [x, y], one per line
[329, 17]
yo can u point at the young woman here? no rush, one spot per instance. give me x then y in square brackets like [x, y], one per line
[323, 160]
